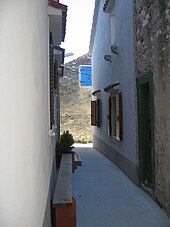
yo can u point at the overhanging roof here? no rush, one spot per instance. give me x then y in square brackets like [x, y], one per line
[57, 13]
[108, 5]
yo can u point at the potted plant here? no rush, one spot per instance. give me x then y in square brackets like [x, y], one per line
[64, 145]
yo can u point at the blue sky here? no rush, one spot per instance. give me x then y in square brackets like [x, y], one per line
[78, 27]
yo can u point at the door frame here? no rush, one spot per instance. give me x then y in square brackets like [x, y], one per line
[146, 78]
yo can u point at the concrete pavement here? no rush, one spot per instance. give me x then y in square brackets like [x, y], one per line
[107, 198]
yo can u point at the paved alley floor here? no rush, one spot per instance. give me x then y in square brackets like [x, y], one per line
[105, 197]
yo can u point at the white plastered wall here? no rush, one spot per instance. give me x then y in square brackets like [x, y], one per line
[25, 157]
[120, 69]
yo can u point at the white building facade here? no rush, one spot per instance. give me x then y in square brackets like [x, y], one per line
[27, 141]
[114, 84]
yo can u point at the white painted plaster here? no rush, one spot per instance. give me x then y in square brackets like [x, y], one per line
[120, 69]
[25, 158]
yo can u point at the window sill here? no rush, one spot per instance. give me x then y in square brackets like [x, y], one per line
[115, 140]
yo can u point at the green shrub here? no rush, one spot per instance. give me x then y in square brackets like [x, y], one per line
[65, 142]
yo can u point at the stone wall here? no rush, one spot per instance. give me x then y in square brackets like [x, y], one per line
[152, 23]
[76, 102]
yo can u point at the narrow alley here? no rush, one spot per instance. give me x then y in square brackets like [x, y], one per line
[107, 198]
[85, 71]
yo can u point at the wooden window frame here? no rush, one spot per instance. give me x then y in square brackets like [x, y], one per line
[56, 75]
[109, 7]
[51, 79]
[115, 116]
[95, 113]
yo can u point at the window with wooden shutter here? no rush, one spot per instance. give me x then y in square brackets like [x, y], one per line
[56, 75]
[120, 117]
[115, 121]
[51, 88]
[95, 109]
[98, 113]
[93, 113]
[117, 117]
[110, 118]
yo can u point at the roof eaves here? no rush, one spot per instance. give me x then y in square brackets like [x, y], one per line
[57, 5]
[63, 8]
[105, 4]
[108, 5]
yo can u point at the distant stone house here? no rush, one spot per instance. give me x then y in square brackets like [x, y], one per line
[130, 48]
[31, 32]
[75, 97]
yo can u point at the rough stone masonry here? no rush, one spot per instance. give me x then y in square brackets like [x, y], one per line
[152, 34]
[76, 102]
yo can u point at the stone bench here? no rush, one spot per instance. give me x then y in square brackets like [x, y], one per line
[63, 202]
[77, 159]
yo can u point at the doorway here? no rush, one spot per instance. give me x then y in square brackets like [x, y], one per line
[145, 130]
